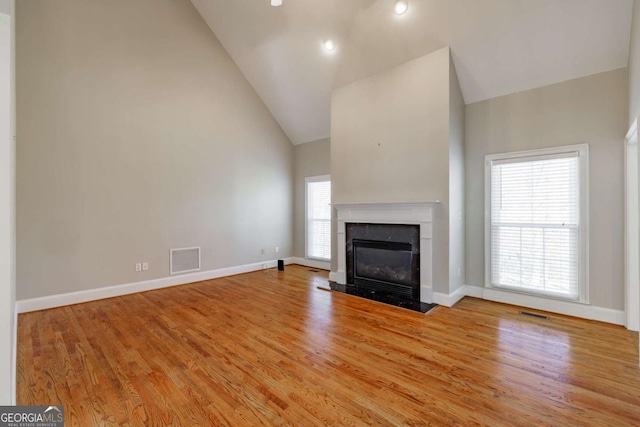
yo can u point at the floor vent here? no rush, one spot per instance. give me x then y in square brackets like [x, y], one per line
[185, 260]
[536, 315]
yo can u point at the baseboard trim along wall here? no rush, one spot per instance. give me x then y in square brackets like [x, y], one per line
[52, 301]
[449, 300]
[312, 263]
[584, 311]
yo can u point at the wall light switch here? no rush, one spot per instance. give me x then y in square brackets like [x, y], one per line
[138, 267]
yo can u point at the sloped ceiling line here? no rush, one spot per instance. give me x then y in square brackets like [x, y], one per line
[498, 46]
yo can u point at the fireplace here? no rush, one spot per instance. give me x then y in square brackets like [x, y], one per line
[419, 214]
[384, 258]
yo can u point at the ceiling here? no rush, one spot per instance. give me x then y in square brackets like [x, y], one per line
[498, 46]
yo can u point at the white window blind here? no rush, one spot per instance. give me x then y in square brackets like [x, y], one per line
[318, 218]
[535, 224]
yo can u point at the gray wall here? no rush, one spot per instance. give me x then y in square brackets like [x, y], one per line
[390, 143]
[138, 135]
[589, 110]
[391, 122]
[311, 159]
[456, 182]
[634, 65]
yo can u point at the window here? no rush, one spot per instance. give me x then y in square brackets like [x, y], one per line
[318, 215]
[536, 208]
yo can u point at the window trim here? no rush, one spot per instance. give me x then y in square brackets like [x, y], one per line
[582, 151]
[307, 180]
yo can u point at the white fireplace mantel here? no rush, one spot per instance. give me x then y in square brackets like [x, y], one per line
[410, 213]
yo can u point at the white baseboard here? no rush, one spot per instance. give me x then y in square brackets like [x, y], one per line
[322, 265]
[473, 291]
[52, 301]
[338, 277]
[584, 311]
[449, 300]
[14, 360]
[427, 295]
[530, 301]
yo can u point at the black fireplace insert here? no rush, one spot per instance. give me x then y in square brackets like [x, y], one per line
[384, 258]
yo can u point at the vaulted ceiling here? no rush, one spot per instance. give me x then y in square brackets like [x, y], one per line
[498, 46]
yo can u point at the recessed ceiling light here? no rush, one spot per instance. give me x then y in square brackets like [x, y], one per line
[400, 7]
[329, 45]
[276, 2]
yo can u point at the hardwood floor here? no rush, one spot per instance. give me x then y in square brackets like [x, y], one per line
[269, 348]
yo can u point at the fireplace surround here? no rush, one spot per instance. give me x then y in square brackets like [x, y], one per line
[419, 214]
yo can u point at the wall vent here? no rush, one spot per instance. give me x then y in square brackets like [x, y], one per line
[539, 316]
[185, 260]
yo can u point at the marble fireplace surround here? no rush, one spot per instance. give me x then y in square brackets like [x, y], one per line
[416, 213]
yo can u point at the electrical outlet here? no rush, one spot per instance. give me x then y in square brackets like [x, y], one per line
[138, 267]
[262, 251]
[264, 266]
[277, 249]
[145, 266]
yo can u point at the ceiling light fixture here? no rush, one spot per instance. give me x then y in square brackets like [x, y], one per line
[329, 45]
[276, 2]
[401, 7]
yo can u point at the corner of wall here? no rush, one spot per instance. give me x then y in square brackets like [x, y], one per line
[7, 205]
[12, 142]
[310, 159]
[633, 71]
[205, 156]
[456, 181]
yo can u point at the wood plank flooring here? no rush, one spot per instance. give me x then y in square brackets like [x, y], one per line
[269, 348]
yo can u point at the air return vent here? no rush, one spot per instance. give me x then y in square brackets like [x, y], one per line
[185, 260]
[539, 316]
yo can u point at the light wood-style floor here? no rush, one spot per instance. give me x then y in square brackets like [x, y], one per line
[268, 348]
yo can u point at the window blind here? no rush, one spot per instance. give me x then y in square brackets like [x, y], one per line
[535, 224]
[319, 219]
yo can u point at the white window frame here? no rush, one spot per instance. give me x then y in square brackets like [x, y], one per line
[307, 180]
[582, 151]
